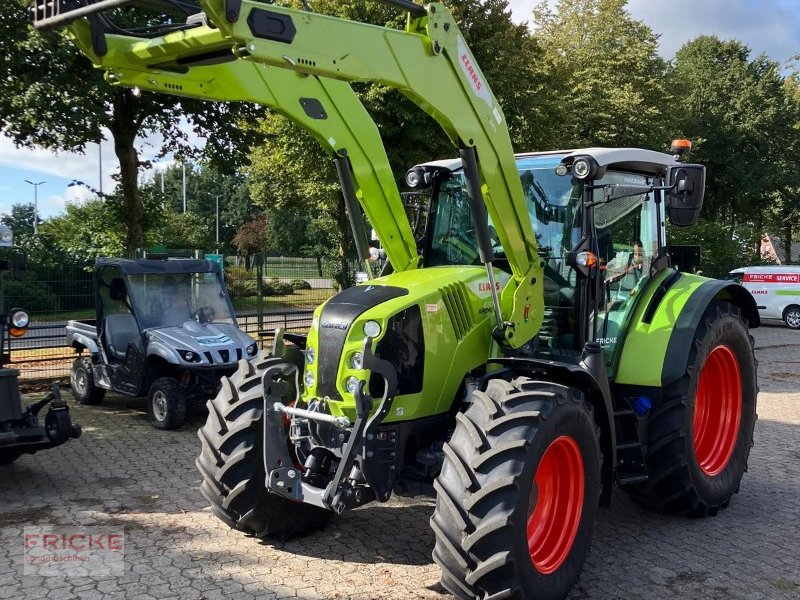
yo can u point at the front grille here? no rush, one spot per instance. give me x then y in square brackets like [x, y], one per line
[210, 357]
[456, 301]
[225, 355]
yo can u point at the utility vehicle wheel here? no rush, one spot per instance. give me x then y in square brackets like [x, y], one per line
[8, 456]
[792, 317]
[166, 405]
[517, 497]
[81, 380]
[699, 439]
[232, 463]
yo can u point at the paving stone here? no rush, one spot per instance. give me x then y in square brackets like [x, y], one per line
[123, 473]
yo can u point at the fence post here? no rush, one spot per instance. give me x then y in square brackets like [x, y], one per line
[260, 290]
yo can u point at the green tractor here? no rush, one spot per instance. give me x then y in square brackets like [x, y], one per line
[533, 349]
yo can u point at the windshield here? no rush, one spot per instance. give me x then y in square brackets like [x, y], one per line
[552, 203]
[171, 299]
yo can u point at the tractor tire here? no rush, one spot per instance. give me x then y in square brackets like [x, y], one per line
[81, 380]
[791, 316]
[166, 404]
[517, 497]
[699, 438]
[9, 455]
[232, 463]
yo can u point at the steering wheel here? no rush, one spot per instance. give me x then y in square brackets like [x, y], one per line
[204, 314]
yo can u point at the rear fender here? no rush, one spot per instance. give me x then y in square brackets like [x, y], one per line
[80, 341]
[658, 339]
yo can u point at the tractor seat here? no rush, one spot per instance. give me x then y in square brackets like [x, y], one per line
[121, 329]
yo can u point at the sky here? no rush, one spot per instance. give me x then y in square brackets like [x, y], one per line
[770, 26]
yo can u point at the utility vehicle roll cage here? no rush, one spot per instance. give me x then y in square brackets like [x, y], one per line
[300, 64]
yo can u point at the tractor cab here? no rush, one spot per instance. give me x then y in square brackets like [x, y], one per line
[599, 230]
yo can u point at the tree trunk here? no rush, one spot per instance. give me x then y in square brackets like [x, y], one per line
[124, 129]
[787, 239]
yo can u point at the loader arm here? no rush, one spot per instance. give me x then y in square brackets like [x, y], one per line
[301, 64]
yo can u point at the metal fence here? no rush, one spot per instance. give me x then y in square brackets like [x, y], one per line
[266, 292]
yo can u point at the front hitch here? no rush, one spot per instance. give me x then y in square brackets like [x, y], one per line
[284, 476]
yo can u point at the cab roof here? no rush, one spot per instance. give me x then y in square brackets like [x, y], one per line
[150, 265]
[626, 159]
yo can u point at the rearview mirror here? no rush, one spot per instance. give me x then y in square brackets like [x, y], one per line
[687, 186]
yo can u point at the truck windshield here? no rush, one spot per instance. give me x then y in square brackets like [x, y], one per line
[553, 205]
[171, 299]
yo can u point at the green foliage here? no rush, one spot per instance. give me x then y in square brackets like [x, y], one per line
[52, 96]
[604, 78]
[723, 248]
[300, 284]
[30, 294]
[743, 121]
[87, 230]
[276, 287]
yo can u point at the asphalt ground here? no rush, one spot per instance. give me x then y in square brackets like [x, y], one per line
[125, 475]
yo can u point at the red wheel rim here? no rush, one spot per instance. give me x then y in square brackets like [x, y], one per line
[717, 411]
[553, 521]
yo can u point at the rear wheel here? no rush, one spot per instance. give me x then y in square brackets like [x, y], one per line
[791, 317]
[166, 404]
[232, 462]
[518, 493]
[699, 439]
[81, 380]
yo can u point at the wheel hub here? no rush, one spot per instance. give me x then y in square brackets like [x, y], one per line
[717, 411]
[554, 518]
[793, 319]
[79, 379]
[160, 405]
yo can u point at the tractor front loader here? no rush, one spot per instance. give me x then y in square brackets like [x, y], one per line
[539, 347]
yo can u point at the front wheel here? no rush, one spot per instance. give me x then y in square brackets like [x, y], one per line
[699, 438]
[518, 493]
[231, 462]
[166, 404]
[792, 317]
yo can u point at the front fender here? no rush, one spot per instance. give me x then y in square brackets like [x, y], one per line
[659, 337]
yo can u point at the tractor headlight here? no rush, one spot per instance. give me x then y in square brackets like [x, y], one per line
[20, 319]
[352, 384]
[309, 378]
[189, 356]
[252, 349]
[311, 355]
[413, 178]
[357, 361]
[372, 329]
[584, 168]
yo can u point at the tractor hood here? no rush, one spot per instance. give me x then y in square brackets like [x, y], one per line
[200, 344]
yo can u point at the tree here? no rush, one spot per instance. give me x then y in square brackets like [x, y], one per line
[20, 220]
[605, 79]
[204, 184]
[51, 96]
[743, 122]
[87, 230]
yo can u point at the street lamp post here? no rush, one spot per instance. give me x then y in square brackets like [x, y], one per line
[217, 212]
[35, 204]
